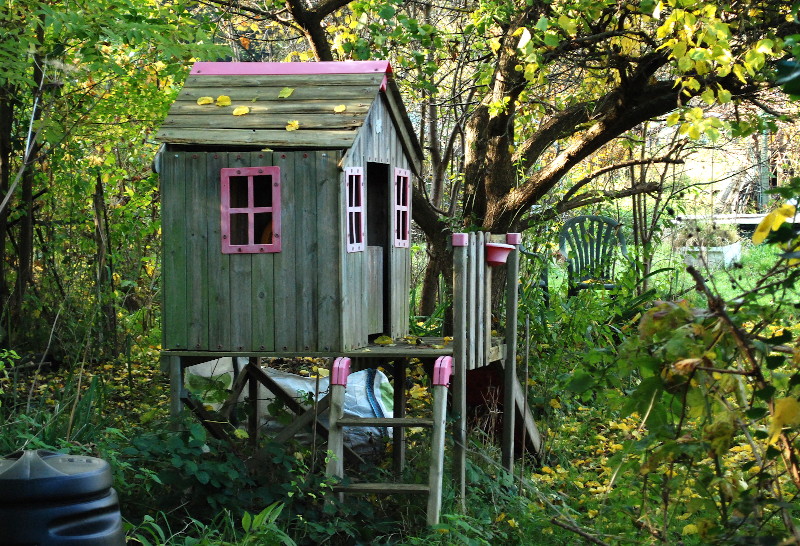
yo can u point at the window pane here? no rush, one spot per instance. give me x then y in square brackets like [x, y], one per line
[263, 228]
[238, 192]
[262, 191]
[239, 229]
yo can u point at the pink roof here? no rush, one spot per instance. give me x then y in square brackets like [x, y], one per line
[283, 69]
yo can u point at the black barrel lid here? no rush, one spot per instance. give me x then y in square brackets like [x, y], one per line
[40, 474]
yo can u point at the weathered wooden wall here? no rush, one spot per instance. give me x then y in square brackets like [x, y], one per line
[379, 142]
[286, 301]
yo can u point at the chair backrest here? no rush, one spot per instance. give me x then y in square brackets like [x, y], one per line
[589, 244]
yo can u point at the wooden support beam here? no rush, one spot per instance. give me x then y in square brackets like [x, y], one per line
[175, 366]
[211, 424]
[306, 419]
[460, 249]
[399, 433]
[510, 372]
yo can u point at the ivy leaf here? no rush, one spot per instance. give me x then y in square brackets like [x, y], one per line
[241, 110]
[223, 100]
[293, 125]
[339, 109]
[286, 92]
[205, 100]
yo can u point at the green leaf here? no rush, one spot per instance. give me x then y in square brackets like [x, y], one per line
[286, 92]
[247, 521]
[542, 23]
[766, 393]
[580, 382]
[756, 413]
[775, 361]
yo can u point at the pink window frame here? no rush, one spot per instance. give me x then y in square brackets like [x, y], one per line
[355, 216]
[402, 208]
[226, 210]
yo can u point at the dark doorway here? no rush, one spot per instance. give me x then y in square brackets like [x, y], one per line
[378, 240]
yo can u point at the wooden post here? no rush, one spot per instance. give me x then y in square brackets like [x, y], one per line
[460, 340]
[175, 384]
[399, 433]
[510, 365]
[441, 378]
[252, 394]
[339, 373]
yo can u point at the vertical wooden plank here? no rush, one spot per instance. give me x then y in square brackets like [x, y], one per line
[472, 300]
[510, 372]
[330, 239]
[487, 311]
[219, 264]
[241, 282]
[197, 222]
[285, 281]
[173, 229]
[460, 276]
[306, 260]
[263, 304]
[480, 305]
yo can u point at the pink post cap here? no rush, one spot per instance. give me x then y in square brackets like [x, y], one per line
[340, 370]
[460, 239]
[442, 370]
[513, 238]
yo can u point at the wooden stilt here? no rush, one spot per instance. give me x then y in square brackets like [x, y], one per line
[460, 249]
[510, 363]
[175, 384]
[399, 432]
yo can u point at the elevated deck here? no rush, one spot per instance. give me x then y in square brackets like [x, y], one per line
[424, 347]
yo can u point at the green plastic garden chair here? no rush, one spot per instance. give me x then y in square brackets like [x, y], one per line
[589, 244]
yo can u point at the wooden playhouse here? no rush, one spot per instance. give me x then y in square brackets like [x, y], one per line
[286, 209]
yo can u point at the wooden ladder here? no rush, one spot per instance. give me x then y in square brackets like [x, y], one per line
[442, 370]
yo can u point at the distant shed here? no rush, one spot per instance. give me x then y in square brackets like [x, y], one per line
[286, 229]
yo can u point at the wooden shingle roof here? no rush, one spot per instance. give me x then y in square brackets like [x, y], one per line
[318, 92]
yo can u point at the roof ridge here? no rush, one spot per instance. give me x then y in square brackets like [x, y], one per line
[238, 68]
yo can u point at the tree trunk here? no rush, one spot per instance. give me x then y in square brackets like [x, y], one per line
[105, 270]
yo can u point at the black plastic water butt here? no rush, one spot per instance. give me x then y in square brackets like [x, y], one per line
[50, 498]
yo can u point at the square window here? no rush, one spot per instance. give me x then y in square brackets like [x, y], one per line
[250, 209]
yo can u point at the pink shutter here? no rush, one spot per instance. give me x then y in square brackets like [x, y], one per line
[355, 212]
[402, 208]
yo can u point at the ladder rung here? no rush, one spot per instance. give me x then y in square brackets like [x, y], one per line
[385, 422]
[381, 488]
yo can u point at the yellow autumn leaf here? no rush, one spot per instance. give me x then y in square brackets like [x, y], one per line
[772, 222]
[223, 100]
[241, 110]
[384, 340]
[339, 109]
[286, 92]
[787, 413]
[205, 100]
[293, 125]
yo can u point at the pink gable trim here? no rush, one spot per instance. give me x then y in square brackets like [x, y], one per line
[285, 69]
